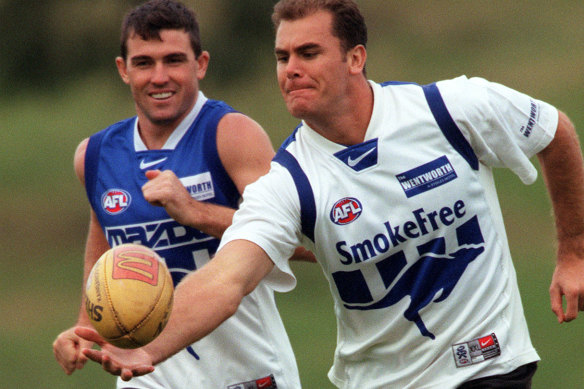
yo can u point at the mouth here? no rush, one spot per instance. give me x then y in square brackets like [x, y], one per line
[161, 95]
[297, 87]
[298, 90]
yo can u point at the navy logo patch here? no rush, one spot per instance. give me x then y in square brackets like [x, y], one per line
[359, 157]
[426, 177]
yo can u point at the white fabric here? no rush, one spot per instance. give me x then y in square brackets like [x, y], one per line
[381, 348]
[250, 345]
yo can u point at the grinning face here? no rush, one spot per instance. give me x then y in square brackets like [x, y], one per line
[163, 76]
[312, 67]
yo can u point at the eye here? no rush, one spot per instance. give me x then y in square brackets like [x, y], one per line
[310, 54]
[141, 62]
[281, 58]
[176, 59]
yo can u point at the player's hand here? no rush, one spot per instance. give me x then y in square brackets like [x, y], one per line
[164, 189]
[568, 283]
[126, 363]
[67, 349]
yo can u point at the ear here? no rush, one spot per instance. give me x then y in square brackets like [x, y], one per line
[203, 64]
[357, 57]
[122, 69]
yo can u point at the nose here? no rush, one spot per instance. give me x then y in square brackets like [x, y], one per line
[160, 74]
[293, 69]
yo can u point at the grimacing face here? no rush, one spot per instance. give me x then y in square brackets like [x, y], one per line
[312, 67]
[163, 76]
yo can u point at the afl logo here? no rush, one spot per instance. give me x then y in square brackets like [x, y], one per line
[346, 211]
[115, 201]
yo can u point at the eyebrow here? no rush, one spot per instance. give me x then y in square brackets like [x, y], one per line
[168, 56]
[299, 49]
[140, 58]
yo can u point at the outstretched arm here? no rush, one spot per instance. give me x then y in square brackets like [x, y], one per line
[67, 346]
[202, 301]
[563, 171]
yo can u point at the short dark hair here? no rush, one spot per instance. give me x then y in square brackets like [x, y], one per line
[348, 22]
[149, 18]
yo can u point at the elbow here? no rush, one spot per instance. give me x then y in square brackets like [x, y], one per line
[234, 293]
[232, 300]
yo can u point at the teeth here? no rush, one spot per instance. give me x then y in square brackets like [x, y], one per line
[161, 95]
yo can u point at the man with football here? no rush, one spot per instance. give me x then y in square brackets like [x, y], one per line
[170, 179]
[390, 184]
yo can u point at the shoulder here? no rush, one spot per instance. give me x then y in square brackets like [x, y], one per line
[81, 150]
[244, 148]
[462, 90]
[468, 100]
[236, 130]
[477, 91]
[238, 121]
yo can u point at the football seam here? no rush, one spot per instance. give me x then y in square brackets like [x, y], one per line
[119, 324]
[130, 333]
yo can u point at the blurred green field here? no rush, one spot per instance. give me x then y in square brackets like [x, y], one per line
[536, 47]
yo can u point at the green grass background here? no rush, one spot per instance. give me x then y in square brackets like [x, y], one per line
[536, 47]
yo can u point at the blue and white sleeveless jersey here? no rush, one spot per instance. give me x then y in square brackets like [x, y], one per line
[253, 343]
[408, 230]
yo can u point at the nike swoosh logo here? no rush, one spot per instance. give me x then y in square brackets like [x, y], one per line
[146, 165]
[483, 344]
[353, 162]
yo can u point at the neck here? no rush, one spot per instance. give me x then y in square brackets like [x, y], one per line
[347, 123]
[154, 136]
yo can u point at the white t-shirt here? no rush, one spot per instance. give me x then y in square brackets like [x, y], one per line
[408, 231]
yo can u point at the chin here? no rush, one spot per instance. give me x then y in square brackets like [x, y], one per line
[163, 120]
[298, 111]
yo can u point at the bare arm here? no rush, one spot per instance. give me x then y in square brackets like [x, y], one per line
[245, 151]
[211, 295]
[563, 170]
[67, 346]
[202, 301]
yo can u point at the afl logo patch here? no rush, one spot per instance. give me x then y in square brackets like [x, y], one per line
[346, 211]
[115, 201]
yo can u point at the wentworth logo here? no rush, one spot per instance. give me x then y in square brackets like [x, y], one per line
[427, 177]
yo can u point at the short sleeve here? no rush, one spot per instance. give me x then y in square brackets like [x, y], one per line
[504, 127]
[269, 217]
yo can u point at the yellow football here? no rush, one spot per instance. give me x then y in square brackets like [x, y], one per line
[128, 295]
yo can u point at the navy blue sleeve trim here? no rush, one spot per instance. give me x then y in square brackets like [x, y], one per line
[290, 139]
[217, 111]
[91, 164]
[305, 193]
[448, 126]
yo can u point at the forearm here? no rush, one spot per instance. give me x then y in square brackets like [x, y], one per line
[563, 171]
[195, 313]
[209, 218]
[209, 296]
[95, 246]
